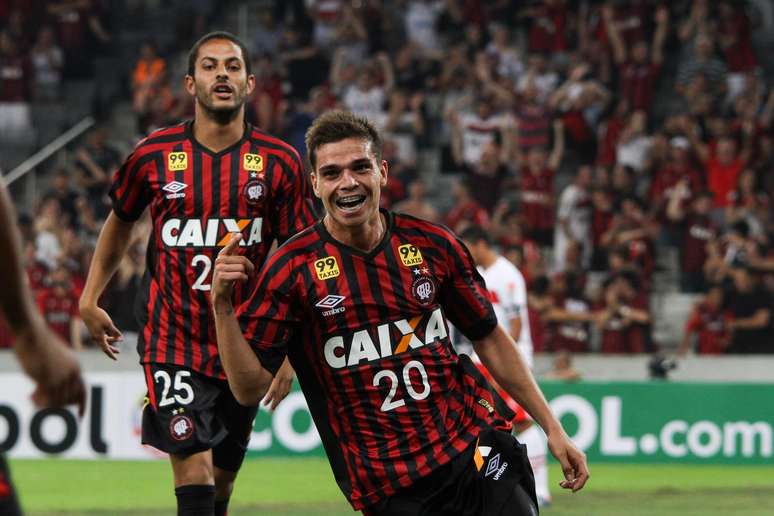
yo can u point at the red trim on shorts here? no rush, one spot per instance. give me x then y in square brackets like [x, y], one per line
[149, 383]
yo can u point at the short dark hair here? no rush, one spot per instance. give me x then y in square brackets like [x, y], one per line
[335, 126]
[193, 54]
[475, 234]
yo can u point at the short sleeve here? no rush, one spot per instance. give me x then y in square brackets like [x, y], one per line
[267, 319]
[463, 296]
[130, 192]
[294, 207]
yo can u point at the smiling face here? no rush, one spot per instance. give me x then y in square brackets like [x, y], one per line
[220, 82]
[348, 179]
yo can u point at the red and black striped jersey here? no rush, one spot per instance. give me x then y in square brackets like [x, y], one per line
[197, 197]
[367, 335]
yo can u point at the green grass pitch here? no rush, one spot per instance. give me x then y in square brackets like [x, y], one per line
[305, 487]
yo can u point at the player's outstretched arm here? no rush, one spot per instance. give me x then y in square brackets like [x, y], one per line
[498, 353]
[247, 378]
[43, 356]
[111, 247]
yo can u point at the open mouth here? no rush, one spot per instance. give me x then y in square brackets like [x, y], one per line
[350, 203]
[222, 91]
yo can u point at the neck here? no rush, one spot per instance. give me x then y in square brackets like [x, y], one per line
[488, 257]
[216, 134]
[363, 238]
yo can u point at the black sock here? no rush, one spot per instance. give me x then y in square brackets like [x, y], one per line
[195, 500]
[221, 507]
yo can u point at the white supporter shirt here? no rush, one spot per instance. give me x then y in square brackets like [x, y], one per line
[575, 207]
[477, 133]
[509, 298]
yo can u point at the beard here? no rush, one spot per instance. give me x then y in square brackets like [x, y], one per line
[223, 114]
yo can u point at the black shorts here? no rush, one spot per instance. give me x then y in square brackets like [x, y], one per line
[9, 504]
[187, 412]
[491, 478]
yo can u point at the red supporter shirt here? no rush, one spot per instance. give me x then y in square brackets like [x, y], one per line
[58, 310]
[710, 325]
[534, 126]
[470, 211]
[740, 55]
[721, 179]
[667, 178]
[548, 30]
[620, 337]
[699, 229]
[15, 77]
[572, 336]
[536, 192]
[607, 148]
[638, 83]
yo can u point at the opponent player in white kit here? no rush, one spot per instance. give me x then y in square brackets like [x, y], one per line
[508, 292]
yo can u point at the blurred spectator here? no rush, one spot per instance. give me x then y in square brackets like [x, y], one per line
[580, 100]
[735, 31]
[537, 188]
[532, 124]
[62, 192]
[305, 65]
[570, 315]
[749, 202]
[702, 63]
[48, 225]
[417, 204]
[267, 34]
[367, 97]
[15, 87]
[724, 165]
[404, 124]
[268, 100]
[300, 116]
[489, 176]
[77, 22]
[750, 305]
[422, 25]
[698, 231]
[96, 161]
[548, 27]
[473, 130]
[709, 323]
[625, 316]
[47, 59]
[146, 80]
[466, 210]
[676, 181]
[634, 144]
[640, 69]
[602, 213]
[58, 303]
[562, 368]
[574, 219]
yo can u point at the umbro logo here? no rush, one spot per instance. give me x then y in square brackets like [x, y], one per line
[493, 465]
[329, 303]
[174, 189]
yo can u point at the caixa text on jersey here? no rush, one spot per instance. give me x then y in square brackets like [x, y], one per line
[209, 233]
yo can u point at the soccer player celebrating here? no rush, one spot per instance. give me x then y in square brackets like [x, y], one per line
[202, 180]
[43, 356]
[508, 295]
[359, 304]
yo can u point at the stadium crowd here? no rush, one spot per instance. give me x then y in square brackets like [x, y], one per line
[590, 139]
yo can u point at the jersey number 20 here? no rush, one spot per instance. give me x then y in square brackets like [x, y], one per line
[390, 403]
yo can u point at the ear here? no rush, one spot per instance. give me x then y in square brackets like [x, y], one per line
[383, 170]
[250, 84]
[190, 85]
[313, 177]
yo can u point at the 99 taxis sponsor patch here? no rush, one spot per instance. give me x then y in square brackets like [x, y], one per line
[410, 255]
[177, 161]
[326, 268]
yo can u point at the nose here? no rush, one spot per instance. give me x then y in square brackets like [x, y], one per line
[348, 179]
